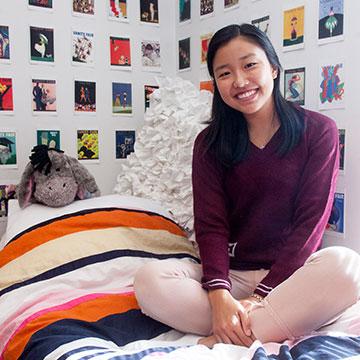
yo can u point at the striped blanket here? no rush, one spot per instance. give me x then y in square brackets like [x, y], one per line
[66, 282]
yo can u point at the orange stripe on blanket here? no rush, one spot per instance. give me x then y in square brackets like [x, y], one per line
[91, 311]
[101, 219]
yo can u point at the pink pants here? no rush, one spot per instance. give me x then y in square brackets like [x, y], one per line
[315, 295]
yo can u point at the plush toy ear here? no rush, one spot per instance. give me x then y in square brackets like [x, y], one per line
[87, 186]
[25, 189]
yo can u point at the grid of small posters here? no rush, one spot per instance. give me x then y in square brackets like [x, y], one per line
[85, 96]
[331, 20]
[206, 8]
[149, 11]
[4, 44]
[121, 99]
[42, 44]
[231, 4]
[293, 35]
[184, 54]
[43, 96]
[294, 85]
[342, 149]
[88, 145]
[46, 4]
[118, 10]
[120, 52]
[50, 138]
[124, 143]
[332, 86]
[336, 220]
[150, 55]
[8, 158]
[81, 7]
[184, 10]
[204, 40]
[262, 23]
[83, 48]
[6, 96]
[148, 90]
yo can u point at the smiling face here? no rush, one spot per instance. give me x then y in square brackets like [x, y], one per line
[244, 77]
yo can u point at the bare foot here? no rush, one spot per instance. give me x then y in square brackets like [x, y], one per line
[208, 341]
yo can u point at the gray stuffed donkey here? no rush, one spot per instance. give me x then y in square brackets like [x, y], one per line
[54, 179]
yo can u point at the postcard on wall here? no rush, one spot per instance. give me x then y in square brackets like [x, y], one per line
[88, 145]
[120, 53]
[85, 96]
[184, 54]
[6, 193]
[83, 8]
[150, 55]
[149, 11]
[121, 99]
[6, 96]
[4, 44]
[262, 23]
[50, 138]
[207, 85]
[206, 8]
[43, 94]
[8, 149]
[148, 90]
[342, 149]
[41, 45]
[336, 221]
[124, 143]
[118, 10]
[293, 32]
[83, 48]
[332, 86]
[44, 4]
[331, 21]
[294, 85]
[184, 10]
[231, 4]
[204, 40]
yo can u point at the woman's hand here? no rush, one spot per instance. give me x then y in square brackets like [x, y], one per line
[231, 324]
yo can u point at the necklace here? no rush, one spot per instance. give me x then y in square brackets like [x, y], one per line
[273, 128]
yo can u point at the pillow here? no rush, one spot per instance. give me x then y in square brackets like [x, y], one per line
[22, 219]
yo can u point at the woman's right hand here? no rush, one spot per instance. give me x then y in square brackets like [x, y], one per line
[226, 319]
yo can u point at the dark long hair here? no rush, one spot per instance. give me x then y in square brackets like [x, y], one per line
[227, 134]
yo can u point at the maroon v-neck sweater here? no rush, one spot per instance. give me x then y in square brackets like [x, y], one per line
[267, 212]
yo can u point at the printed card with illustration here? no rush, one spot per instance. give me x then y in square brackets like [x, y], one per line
[43, 94]
[231, 4]
[184, 10]
[293, 31]
[206, 8]
[262, 23]
[294, 85]
[83, 7]
[148, 90]
[149, 11]
[8, 149]
[118, 10]
[120, 54]
[6, 96]
[4, 44]
[88, 145]
[184, 54]
[42, 45]
[124, 143]
[50, 138]
[150, 55]
[83, 48]
[204, 41]
[342, 149]
[85, 96]
[44, 4]
[121, 99]
[331, 21]
[336, 220]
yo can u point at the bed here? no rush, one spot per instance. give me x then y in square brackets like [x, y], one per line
[66, 289]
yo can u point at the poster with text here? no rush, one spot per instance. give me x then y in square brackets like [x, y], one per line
[331, 20]
[294, 85]
[120, 52]
[118, 10]
[6, 96]
[85, 96]
[342, 149]
[45, 4]
[184, 54]
[4, 44]
[336, 220]
[293, 32]
[204, 40]
[50, 138]
[332, 86]
[124, 142]
[184, 10]
[88, 145]
[121, 99]
[231, 4]
[150, 55]
[83, 7]
[262, 23]
[149, 11]
[148, 90]
[83, 48]
[42, 44]
[43, 96]
[8, 158]
[206, 8]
